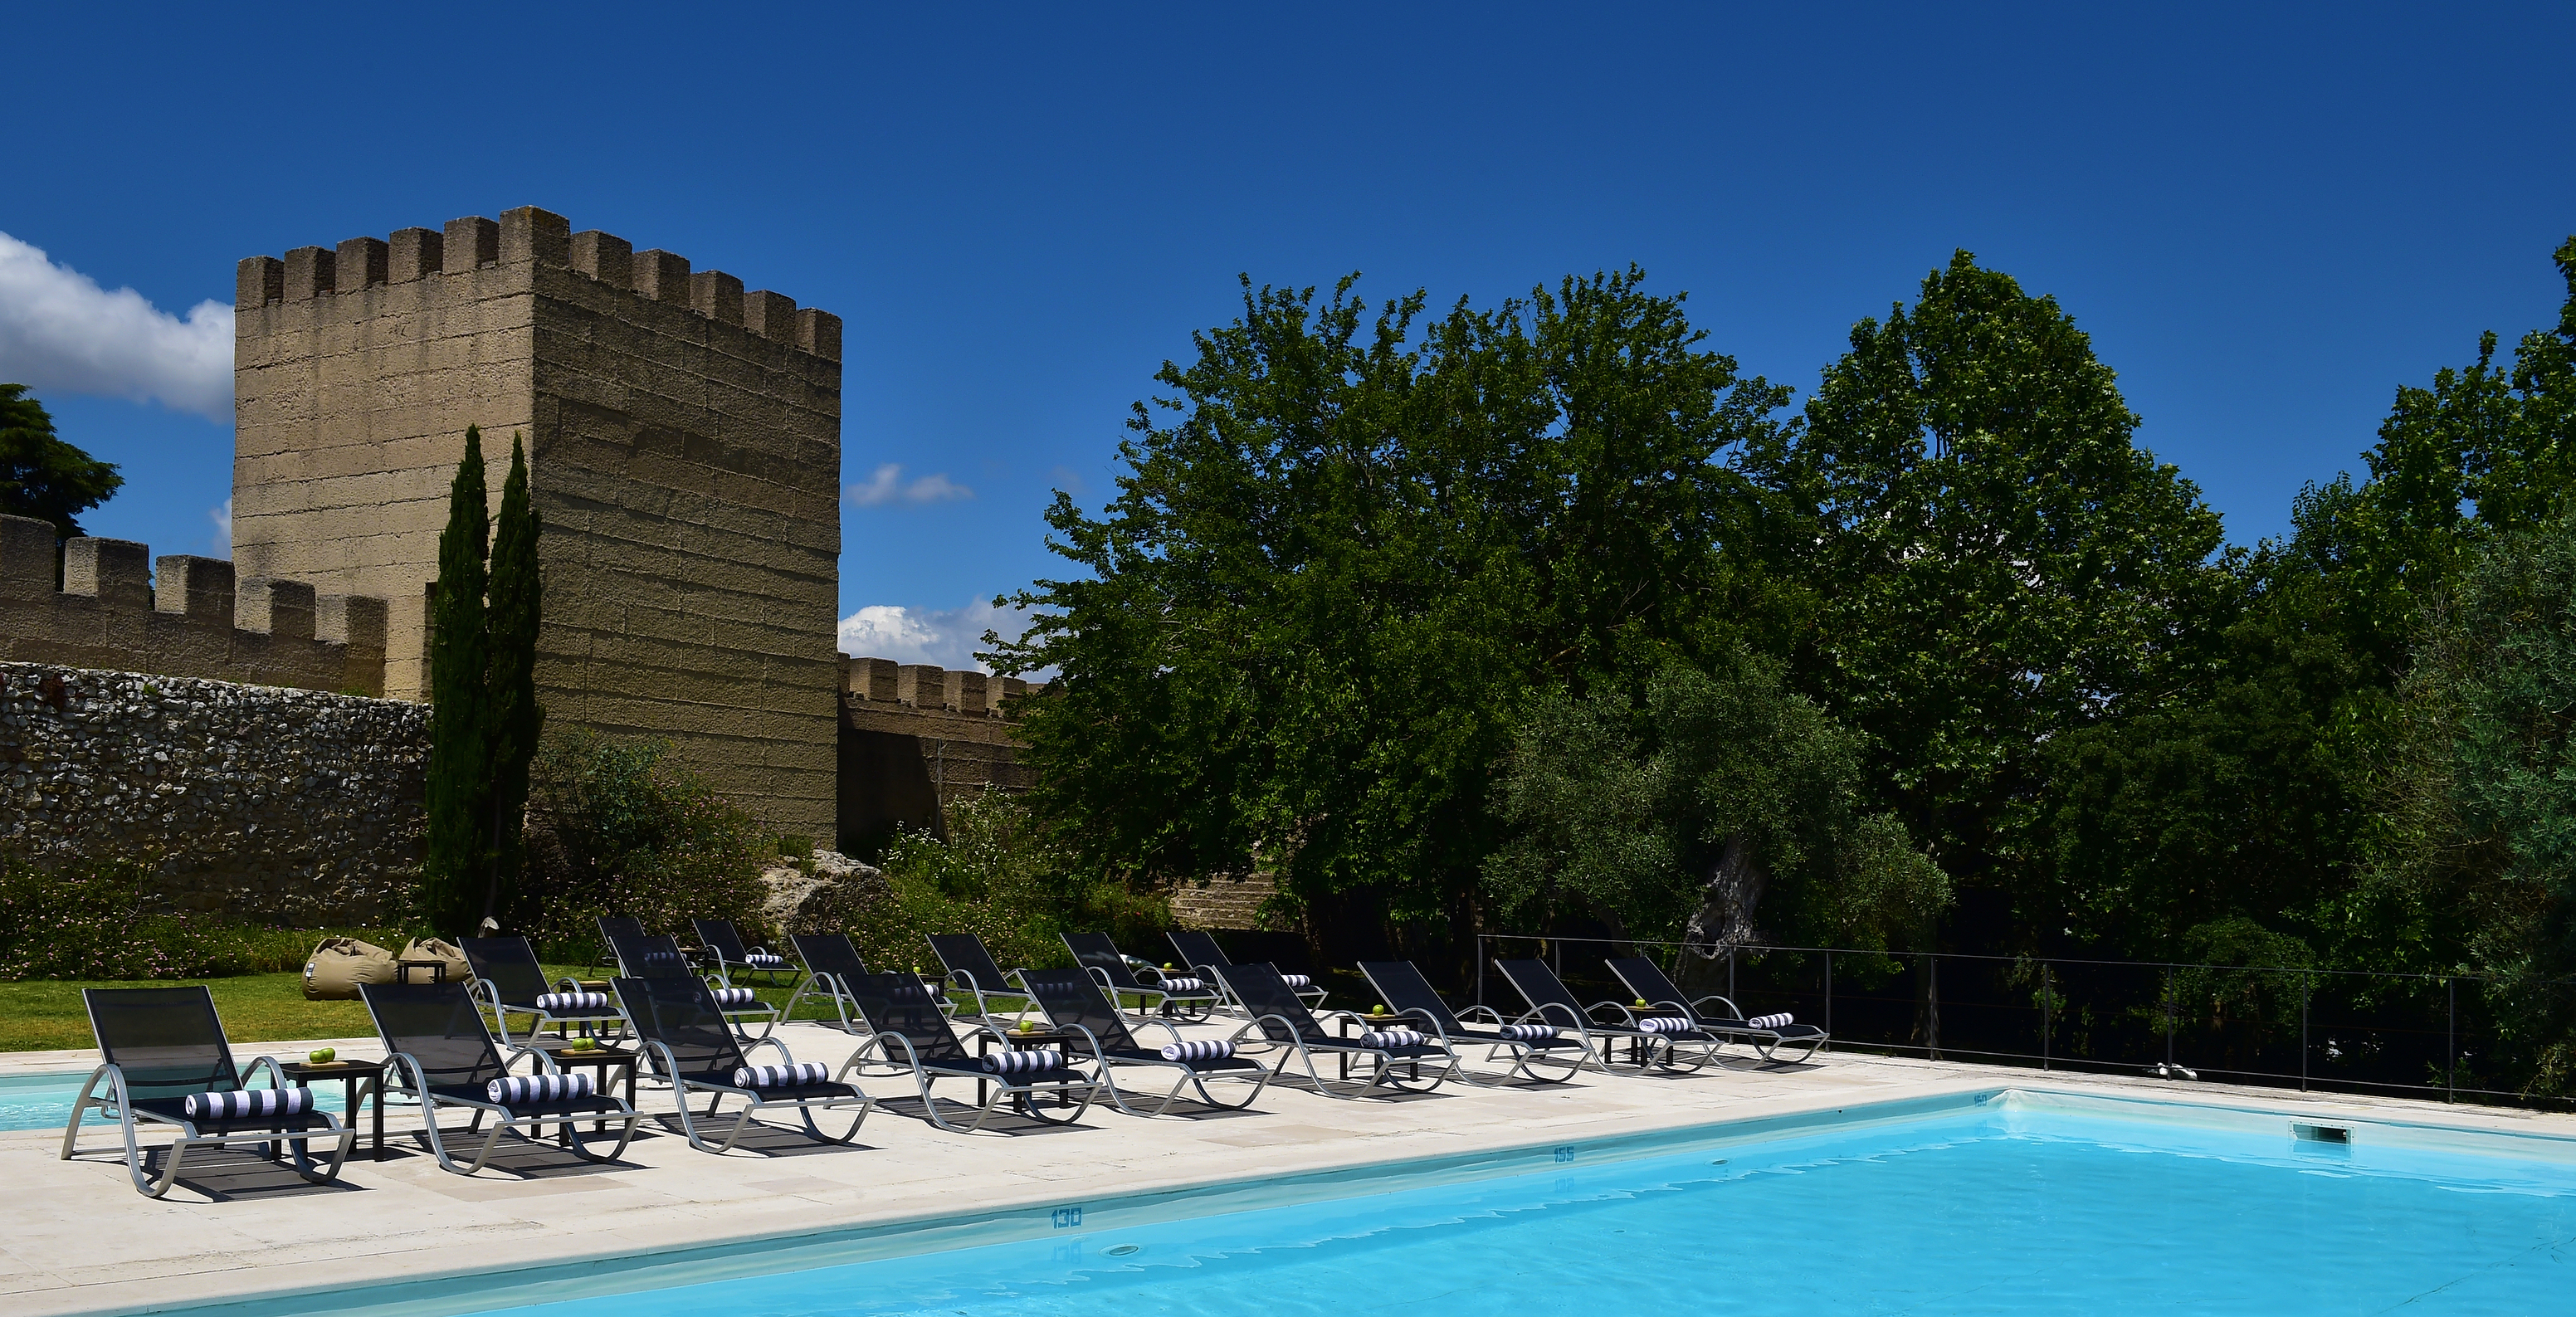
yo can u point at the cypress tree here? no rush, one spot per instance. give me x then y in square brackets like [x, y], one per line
[454, 871]
[516, 718]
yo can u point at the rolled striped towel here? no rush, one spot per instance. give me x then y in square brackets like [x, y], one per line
[764, 960]
[1528, 1033]
[781, 1076]
[530, 1090]
[1184, 985]
[1771, 1021]
[1030, 1062]
[1667, 1024]
[243, 1103]
[1394, 1038]
[663, 960]
[731, 997]
[1297, 980]
[572, 1001]
[1205, 1049]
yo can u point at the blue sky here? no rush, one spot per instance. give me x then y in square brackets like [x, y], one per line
[2267, 219]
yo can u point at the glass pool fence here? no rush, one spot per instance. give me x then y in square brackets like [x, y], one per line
[2415, 1035]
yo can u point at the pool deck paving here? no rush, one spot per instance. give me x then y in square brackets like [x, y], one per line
[76, 1238]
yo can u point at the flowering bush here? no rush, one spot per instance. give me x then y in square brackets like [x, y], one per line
[90, 921]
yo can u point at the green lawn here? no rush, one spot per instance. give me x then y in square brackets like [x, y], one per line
[43, 1015]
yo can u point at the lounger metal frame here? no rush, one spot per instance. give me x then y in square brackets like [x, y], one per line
[402, 1064]
[887, 1015]
[1105, 963]
[1257, 984]
[1416, 1000]
[1552, 1003]
[727, 962]
[489, 996]
[950, 956]
[1066, 989]
[667, 1062]
[118, 1103]
[1210, 958]
[1732, 1026]
[619, 944]
[834, 987]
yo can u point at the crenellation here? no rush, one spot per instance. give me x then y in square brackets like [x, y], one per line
[819, 332]
[280, 610]
[531, 234]
[470, 243]
[770, 315]
[415, 255]
[258, 281]
[717, 296]
[308, 273]
[200, 587]
[603, 256]
[662, 276]
[116, 573]
[362, 263]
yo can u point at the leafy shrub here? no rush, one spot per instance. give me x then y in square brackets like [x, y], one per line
[98, 919]
[617, 828]
[998, 876]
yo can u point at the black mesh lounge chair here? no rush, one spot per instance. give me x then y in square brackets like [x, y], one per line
[832, 964]
[913, 1035]
[436, 1046]
[1541, 1052]
[1073, 1000]
[1281, 1016]
[1200, 952]
[971, 969]
[723, 945]
[166, 1062]
[686, 1038]
[1648, 981]
[1552, 1003]
[509, 981]
[1099, 957]
[651, 956]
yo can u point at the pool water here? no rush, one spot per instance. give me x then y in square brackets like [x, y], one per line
[2002, 1207]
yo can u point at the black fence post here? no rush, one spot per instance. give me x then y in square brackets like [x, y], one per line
[1932, 996]
[2450, 1033]
[1829, 992]
[2306, 976]
[1480, 969]
[2047, 1010]
[2169, 1017]
[1730, 979]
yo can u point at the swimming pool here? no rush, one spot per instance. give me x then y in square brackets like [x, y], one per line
[2004, 1202]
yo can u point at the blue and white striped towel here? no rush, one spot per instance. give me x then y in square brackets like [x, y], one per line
[782, 1076]
[1184, 985]
[662, 960]
[243, 1103]
[531, 1090]
[1205, 1049]
[572, 1001]
[732, 997]
[1297, 980]
[1667, 1024]
[1528, 1033]
[1771, 1021]
[1394, 1038]
[765, 960]
[1030, 1062]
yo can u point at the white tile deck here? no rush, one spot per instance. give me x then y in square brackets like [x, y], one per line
[76, 1238]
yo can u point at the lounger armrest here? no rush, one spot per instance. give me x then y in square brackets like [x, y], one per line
[276, 1077]
[510, 1054]
[770, 1040]
[667, 1065]
[1417, 1012]
[405, 1068]
[1472, 1013]
[1170, 1028]
[1733, 1012]
[1089, 1037]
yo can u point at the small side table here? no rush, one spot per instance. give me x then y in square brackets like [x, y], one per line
[303, 1074]
[599, 1059]
[1023, 1042]
[437, 970]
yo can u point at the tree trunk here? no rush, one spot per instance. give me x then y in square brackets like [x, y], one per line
[1729, 900]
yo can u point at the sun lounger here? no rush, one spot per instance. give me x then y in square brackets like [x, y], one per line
[1107, 966]
[1280, 1015]
[436, 1046]
[1200, 952]
[685, 1036]
[971, 970]
[913, 1036]
[509, 981]
[166, 1062]
[651, 956]
[1533, 1047]
[1656, 1044]
[723, 945]
[1765, 1034]
[832, 964]
[1073, 1001]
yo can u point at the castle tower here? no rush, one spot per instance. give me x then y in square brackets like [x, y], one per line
[684, 452]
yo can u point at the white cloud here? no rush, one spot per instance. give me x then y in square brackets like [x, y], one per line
[60, 330]
[887, 485]
[947, 637]
[222, 515]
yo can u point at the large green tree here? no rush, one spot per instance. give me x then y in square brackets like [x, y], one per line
[40, 475]
[517, 722]
[1994, 561]
[1341, 552]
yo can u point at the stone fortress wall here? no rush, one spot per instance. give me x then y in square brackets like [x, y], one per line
[684, 457]
[120, 609]
[915, 737]
[256, 803]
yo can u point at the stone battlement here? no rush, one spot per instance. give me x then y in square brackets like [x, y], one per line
[198, 622]
[888, 685]
[528, 234]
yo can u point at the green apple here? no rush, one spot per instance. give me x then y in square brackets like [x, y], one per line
[584, 1044]
[1379, 1009]
[321, 1055]
[1641, 1001]
[1028, 1026]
